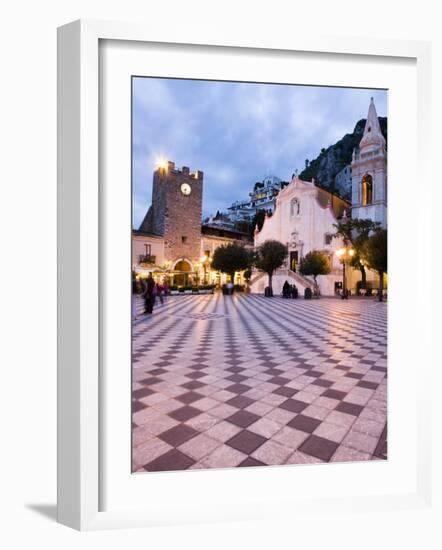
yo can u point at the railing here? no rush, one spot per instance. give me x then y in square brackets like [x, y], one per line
[146, 259]
[300, 278]
[303, 281]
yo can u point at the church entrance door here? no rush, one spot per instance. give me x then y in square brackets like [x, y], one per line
[293, 260]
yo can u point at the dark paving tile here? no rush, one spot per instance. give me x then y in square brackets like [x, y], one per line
[178, 434]
[293, 405]
[236, 369]
[314, 373]
[349, 408]
[240, 401]
[184, 413]
[273, 372]
[142, 392]
[237, 378]
[304, 423]
[323, 383]
[249, 461]
[138, 406]
[319, 447]
[156, 372]
[382, 446]
[189, 397]
[334, 394]
[234, 362]
[172, 460]
[285, 391]
[150, 381]
[356, 375]
[196, 375]
[238, 388]
[246, 441]
[368, 385]
[163, 364]
[280, 380]
[243, 418]
[193, 385]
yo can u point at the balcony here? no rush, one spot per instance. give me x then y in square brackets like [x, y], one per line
[143, 259]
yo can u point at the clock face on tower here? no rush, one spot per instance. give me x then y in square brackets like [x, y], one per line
[185, 189]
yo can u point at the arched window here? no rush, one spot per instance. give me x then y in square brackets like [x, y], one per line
[367, 190]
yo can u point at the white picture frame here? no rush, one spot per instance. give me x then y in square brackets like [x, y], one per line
[79, 269]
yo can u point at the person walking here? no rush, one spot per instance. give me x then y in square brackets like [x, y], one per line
[286, 289]
[166, 290]
[149, 294]
[159, 291]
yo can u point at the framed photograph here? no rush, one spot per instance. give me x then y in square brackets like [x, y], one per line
[232, 342]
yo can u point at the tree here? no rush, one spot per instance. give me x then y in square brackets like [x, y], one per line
[314, 263]
[268, 257]
[356, 233]
[258, 220]
[230, 258]
[374, 254]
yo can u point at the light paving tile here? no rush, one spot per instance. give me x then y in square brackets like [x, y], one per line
[264, 427]
[360, 442]
[222, 431]
[330, 431]
[272, 452]
[200, 446]
[223, 457]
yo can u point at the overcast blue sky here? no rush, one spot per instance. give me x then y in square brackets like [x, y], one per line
[236, 133]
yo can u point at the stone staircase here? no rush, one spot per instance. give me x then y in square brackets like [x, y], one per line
[305, 282]
[291, 276]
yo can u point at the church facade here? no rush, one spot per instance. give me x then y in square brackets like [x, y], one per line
[305, 216]
[303, 220]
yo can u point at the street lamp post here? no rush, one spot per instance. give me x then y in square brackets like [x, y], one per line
[205, 261]
[343, 254]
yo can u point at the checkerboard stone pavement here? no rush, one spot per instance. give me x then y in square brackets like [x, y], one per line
[225, 381]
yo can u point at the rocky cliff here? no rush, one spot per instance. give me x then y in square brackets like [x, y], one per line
[332, 160]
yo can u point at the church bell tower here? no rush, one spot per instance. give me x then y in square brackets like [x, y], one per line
[369, 173]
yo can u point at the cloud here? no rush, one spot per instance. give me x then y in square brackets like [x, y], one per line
[236, 133]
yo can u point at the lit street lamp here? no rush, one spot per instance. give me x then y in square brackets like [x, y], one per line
[344, 254]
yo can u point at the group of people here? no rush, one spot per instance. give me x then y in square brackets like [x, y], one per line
[150, 291]
[289, 291]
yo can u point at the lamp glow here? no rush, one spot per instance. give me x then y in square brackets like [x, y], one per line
[161, 162]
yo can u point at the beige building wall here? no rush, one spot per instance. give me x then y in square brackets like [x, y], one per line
[142, 244]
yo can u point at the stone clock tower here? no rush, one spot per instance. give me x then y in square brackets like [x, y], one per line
[175, 214]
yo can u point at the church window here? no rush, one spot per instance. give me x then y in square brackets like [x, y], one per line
[184, 240]
[328, 238]
[147, 249]
[367, 190]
